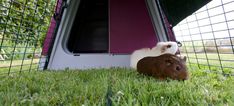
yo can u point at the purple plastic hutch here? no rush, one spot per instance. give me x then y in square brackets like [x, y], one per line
[103, 33]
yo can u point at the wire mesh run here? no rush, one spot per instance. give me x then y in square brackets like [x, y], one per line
[23, 26]
[208, 37]
[49, 40]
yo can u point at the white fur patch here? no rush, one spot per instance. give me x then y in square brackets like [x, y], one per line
[155, 51]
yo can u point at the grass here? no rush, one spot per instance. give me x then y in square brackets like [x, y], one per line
[212, 56]
[226, 56]
[213, 60]
[123, 87]
[18, 65]
[6, 63]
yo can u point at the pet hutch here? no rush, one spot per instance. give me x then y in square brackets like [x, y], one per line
[103, 33]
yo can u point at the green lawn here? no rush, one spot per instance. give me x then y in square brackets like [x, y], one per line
[123, 87]
[213, 59]
[211, 56]
[18, 65]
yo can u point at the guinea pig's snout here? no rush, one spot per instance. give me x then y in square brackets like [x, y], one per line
[168, 46]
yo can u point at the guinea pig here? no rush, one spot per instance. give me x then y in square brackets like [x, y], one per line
[159, 49]
[164, 66]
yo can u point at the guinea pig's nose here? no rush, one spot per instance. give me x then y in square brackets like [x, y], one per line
[168, 46]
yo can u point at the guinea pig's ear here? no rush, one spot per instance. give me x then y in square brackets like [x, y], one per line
[163, 49]
[168, 62]
[184, 58]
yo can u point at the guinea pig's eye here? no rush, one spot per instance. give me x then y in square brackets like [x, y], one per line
[168, 46]
[178, 68]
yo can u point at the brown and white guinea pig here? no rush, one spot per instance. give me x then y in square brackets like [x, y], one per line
[159, 49]
[164, 66]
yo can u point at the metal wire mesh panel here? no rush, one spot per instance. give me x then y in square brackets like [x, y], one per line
[23, 26]
[208, 37]
[51, 34]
